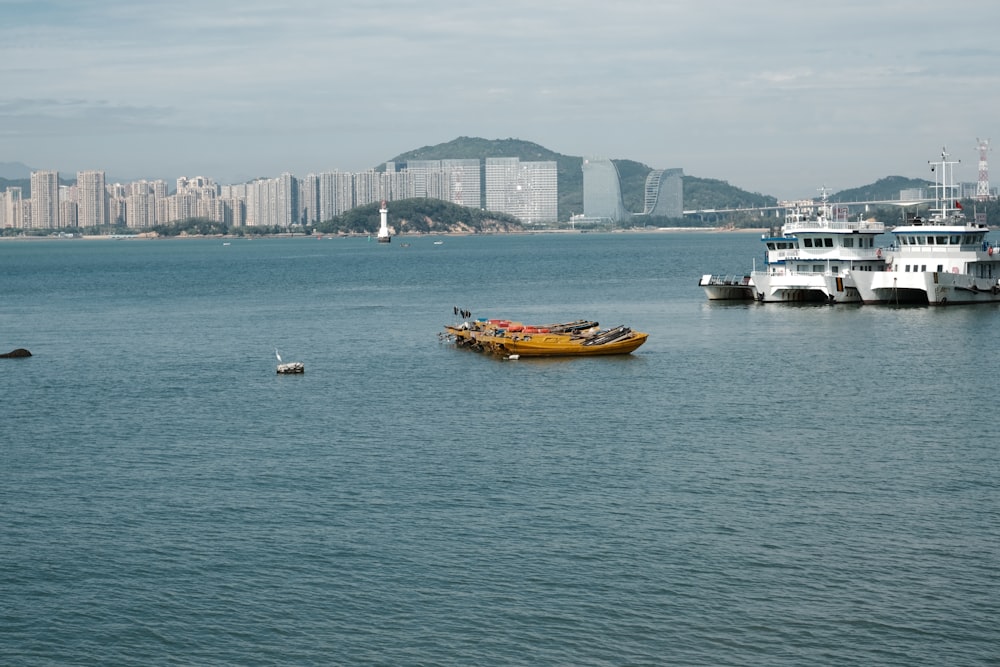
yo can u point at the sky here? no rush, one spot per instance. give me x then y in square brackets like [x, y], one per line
[781, 97]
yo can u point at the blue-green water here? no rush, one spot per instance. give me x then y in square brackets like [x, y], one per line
[757, 484]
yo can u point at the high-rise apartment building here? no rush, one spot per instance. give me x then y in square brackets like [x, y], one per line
[368, 188]
[457, 180]
[309, 199]
[92, 199]
[44, 199]
[529, 191]
[287, 192]
[336, 194]
[11, 208]
[464, 181]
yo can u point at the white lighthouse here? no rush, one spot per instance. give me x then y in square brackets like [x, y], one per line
[383, 228]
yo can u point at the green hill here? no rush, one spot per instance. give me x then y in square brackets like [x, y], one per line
[883, 189]
[420, 216]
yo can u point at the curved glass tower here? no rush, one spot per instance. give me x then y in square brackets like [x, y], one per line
[602, 192]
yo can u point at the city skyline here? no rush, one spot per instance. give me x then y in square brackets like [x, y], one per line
[777, 97]
[527, 190]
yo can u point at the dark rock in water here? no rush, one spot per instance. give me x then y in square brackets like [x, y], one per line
[14, 354]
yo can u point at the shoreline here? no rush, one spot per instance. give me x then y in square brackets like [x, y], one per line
[147, 236]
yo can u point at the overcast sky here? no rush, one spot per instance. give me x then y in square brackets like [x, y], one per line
[775, 96]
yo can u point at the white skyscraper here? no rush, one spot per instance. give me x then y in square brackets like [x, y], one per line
[44, 199]
[11, 208]
[92, 202]
[528, 191]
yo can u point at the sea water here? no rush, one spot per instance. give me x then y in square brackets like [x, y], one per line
[757, 484]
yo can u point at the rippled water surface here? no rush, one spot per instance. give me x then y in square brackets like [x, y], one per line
[757, 484]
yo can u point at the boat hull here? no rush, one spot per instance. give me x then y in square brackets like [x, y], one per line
[515, 340]
[547, 345]
[805, 287]
[728, 288]
[933, 288]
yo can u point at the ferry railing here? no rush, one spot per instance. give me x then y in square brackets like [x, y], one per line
[871, 226]
[737, 280]
[819, 254]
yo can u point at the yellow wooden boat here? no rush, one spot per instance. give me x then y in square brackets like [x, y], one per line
[509, 339]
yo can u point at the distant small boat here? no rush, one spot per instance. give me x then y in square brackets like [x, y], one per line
[439, 243]
[225, 243]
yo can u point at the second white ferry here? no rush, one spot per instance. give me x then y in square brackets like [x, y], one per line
[817, 255]
[939, 260]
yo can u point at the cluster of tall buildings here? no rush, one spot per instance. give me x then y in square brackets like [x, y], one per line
[526, 190]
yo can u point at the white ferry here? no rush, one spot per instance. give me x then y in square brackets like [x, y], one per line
[817, 256]
[938, 260]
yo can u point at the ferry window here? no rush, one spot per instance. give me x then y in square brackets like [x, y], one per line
[835, 269]
[907, 268]
[849, 242]
[930, 240]
[923, 267]
[940, 268]
[956, 240]
[828, 243]
[807, 243]
[817, 268]
[942, 240]
[770, 246]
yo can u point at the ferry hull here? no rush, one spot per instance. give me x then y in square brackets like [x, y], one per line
[932, 288]
[805, 287]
